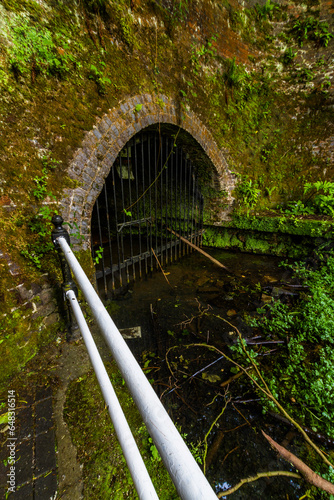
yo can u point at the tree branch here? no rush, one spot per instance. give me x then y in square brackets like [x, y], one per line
[259, 475]
[309, 475]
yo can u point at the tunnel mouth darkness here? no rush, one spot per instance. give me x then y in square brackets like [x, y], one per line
[152, 197]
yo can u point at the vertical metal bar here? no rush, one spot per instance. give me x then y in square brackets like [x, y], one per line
[116, 223]
[161, 202]
[156, 161]
[188, 203]
[144, 199]
[150, 192]
[192, 204]
[179, 174]
[130, 205]
[201, 221]
[137, 205]
[198, 214]
[101, 246]
[123, 213]
[166, 198]
[176, 228]
[171, 163]
[185, 205]
[181, 199]
[109, 235]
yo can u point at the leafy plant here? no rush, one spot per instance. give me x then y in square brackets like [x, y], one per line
[304, 75]
[267, 10]
[100, 80]
[40, 191]
[311, 29]
[248, 192]
[233, 77]
[98, 255]
[203, 52]
[288, 56]
[298, 208]
[323, 196]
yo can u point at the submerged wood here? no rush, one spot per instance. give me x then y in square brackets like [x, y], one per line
[215, 261]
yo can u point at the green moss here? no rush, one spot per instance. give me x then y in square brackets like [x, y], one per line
[104, 469]
[30, 6]
[251, 234]
[257, 246]
[20, 340]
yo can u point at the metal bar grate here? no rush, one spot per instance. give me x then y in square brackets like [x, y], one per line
[152, 186]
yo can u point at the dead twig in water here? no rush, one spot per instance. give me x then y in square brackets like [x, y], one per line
[229, 453]
[245, 419]
[202, 312]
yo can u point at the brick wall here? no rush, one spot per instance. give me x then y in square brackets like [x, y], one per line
[92, 162]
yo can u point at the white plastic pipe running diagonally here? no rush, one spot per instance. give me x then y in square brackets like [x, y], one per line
[138, 471]
[189, 480]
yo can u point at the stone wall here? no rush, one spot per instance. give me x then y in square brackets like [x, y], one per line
[214, 68]
[92, 162]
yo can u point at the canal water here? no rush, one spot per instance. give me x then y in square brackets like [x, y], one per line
[179, 313]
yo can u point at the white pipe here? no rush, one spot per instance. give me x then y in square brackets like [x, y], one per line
[189, 480]
[138, 471]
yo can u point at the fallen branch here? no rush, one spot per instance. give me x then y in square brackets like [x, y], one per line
[255, 478]
[309, 475]
[215, 261]
[163, 272]
[234, 377]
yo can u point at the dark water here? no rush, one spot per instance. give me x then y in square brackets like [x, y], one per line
[187, 310]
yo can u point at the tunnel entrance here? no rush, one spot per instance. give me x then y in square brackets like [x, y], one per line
[152, 188]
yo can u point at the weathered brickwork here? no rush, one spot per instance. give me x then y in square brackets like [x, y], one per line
[92, 162]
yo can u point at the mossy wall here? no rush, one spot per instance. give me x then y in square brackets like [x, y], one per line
[262, 91]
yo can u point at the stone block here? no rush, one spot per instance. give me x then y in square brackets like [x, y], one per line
[43, 415]
[24, 463]
[25, 492]
[24, 293]
[46, 486]
[103, 126]
[44, 310]
[52, 319]
[45, 452]
[97, 134]
[24, 423]
[47, 296]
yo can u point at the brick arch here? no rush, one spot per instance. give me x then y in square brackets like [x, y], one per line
[92, 162]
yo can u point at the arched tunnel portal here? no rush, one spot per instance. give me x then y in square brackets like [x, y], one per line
[144, 169]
